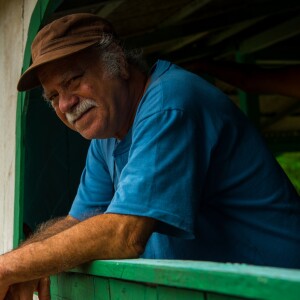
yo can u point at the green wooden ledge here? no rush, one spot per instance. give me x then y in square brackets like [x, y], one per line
[235, 280]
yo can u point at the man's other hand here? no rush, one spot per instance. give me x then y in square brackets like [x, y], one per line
[25, 290]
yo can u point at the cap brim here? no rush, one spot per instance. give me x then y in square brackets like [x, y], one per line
[29, 78]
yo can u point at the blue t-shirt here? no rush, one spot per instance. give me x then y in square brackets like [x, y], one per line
[193, 162]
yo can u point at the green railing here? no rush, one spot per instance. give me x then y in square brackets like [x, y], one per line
[141, 279]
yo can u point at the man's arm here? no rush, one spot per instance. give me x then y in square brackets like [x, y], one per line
[105, 236]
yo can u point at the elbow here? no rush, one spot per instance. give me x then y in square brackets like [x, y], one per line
[130, 248]
[124, 236]
[133, 244]
[136, 237]
[136, 249]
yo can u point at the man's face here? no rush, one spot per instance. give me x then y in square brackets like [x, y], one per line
[85, 97]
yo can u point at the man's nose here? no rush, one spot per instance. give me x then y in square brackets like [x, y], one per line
[67, 102]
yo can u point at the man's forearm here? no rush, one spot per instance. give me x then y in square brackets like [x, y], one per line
[100, 237]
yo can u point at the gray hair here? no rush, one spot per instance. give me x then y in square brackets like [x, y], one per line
[113, 54]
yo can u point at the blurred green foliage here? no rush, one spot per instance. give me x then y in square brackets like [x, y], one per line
[290, 162]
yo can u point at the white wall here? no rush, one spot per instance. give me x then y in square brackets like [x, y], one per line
[14, 20]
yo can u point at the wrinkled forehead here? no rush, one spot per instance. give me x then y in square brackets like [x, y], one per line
[65, 67]
[54, 70]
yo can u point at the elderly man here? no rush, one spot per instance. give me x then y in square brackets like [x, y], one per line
[174, 169]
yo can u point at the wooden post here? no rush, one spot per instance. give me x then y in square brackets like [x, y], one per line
[249, 103]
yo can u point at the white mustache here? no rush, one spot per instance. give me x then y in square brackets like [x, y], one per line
[80, 109]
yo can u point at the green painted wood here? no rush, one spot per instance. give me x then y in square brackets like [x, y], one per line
[124, 290]
[168, 293]
[54, 287]
[230, 279]
[41, 11]
[102, 288]
[64, 286]
[82, 287]
[166, 279]
[19, 171]
[73, 287]
[212, 296]
[249, 103]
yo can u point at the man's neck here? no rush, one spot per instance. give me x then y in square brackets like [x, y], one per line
[138, 83]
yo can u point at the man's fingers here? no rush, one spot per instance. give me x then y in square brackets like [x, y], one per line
[44, 289]
[22, 291]
[3, 291]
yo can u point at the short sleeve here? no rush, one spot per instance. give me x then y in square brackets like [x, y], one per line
[95, 190]
[159, 180]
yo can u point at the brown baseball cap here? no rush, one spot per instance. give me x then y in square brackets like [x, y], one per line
[63, 37]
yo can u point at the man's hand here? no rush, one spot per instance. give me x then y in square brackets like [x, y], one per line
[3, 291]
[25, 290]
[4, 285]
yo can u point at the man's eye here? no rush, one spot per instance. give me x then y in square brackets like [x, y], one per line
[73, 79]
[76, 77]
[52, 98]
